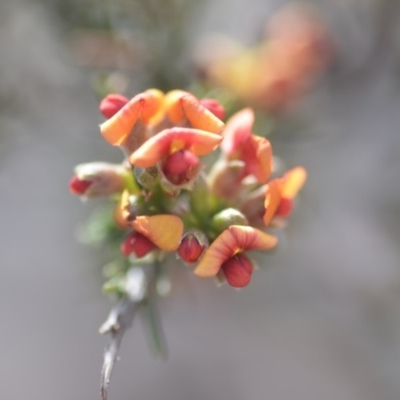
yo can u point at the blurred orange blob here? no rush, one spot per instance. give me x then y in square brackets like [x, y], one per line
[271, 75]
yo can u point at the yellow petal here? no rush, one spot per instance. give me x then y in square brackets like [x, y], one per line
[235, 239]
[272, 199]
[143, 107]
[164, 230]
[170, 140]
[293, 181]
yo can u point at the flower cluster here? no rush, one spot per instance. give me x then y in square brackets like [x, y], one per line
[168, 201]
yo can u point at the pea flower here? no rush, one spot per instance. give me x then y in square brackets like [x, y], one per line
[243, 154]
[227, 254]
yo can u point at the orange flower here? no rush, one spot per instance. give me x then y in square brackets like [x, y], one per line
[231, 243]
[240, 144]
[281, 192]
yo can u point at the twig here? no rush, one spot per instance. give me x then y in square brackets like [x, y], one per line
[120, 319]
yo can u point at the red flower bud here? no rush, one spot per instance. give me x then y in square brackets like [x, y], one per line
[285, 208]
[78, 186]
[215, 107]
[190, 248]
[137, 243]
[111, 104]
[180, 167]
[238, 270]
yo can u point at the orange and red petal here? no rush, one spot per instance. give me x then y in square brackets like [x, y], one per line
[171, 140]
[272, 199]
[293, 181]
[163, 230]
[257, 156]
[237, 131]
[144, 107]
[236, 239]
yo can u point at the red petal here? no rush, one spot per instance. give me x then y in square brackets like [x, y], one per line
[257, 155]
[238, 270]
[237, 131]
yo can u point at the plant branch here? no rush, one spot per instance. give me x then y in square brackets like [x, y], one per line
[120, 319]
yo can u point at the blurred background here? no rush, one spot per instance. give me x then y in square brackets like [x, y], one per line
[321, 320]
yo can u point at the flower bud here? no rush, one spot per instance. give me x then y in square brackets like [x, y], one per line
[215, 107]
[192, 246]
[99, 179]
[225, 218]
[225, 178]
[238, 270]
[111, 104]
[181, 167]
[285, 208]
[137, 243]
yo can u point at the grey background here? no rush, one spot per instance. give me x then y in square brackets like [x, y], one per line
[321, 321]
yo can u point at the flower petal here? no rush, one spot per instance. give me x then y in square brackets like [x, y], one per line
[272, 199]
[233, 240]
[171, 140]
[173, 106]
[143, 107]
[237, 131]
[293, 181]
[182, 107]
[257, 155]
[163, 230]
